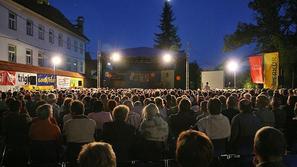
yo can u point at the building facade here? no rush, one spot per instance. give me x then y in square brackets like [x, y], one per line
[32, 32]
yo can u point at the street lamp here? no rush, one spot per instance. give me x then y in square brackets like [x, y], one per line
[167, 58]
[232, 66]
[56, 61]
[116, 57]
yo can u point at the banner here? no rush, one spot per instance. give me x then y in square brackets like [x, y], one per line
[7, 78]
[46, 79]
[76, 82]
[63, 82]
[23, 79]
[256, 69]
[271, 70]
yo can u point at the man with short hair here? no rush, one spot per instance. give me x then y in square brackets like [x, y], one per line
[194, 149]
[78, 131]
[269, 147]
[216, 125]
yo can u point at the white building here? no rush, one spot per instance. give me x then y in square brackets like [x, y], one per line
[32, 31]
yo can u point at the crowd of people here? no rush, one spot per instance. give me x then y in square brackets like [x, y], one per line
[111, 127]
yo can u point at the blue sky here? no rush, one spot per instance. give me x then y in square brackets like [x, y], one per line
[132, 23]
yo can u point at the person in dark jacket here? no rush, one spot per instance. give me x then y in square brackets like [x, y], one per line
[15, 130]
[243, 128]
[231, 110]
[269, 147]
[120, 134]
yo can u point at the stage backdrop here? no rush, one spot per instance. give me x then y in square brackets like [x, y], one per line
[256, 63]
[271, 70]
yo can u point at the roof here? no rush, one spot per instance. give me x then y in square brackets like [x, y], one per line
[50, 13]
[8, 66]
[145, 52]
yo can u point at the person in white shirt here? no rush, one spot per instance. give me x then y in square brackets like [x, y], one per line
[216, 125]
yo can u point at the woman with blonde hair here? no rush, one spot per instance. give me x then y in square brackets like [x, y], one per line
[154, 131]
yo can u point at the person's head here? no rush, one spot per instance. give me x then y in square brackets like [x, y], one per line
[222, 99]
[150, 111]
[51, 98]
[129, 104]
[66, 105]
[214, 106]
[231, 102]
[77, 108]
[111, 104]
[269, 144]
[44, 111]
[97, 154]
[120, 113]
[97, 106]
[247, 96]
[203, 106]
[262, 101]
[14, 105]
[184, 105]
[245, 106]
[193, 149]
[159, 102]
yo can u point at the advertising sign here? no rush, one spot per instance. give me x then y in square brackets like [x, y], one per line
[256, 68]
[46, 79]
[23, 79]
[7, 78]
[76, 82]
[63, 82]
[271, 70]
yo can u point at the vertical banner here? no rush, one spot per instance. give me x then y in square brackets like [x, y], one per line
[271, 70]
[256, 68]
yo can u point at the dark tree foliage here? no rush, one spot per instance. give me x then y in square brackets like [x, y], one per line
[167, 38]
[194, 75]
[274, 29]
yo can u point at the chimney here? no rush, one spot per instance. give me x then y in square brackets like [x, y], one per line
[80, 24]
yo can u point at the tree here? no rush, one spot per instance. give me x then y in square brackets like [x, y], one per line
[167, 38]
[194, 75]
[275, 29]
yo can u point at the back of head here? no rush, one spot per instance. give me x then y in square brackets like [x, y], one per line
[97, 106]
[14, 105]
[262, 101]
[120, 113]
[245, 106]
[203, 106]
[194, 149]
[150, 111]
[184, 105]
[231, 102]
[214, 106]
[97, 154]
[269, 144]
[44, 111]
[51, 98]
[159, 101]
[77, 108]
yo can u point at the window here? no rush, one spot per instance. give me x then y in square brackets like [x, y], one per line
[29, 27]
[75, 46]
[29, 56]
[12, 53]
[74, 67]
[68, 43]
[81, 48]
[60, 40]
[41, 32]
[12, 21]
[40, 59]
[51, 36]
